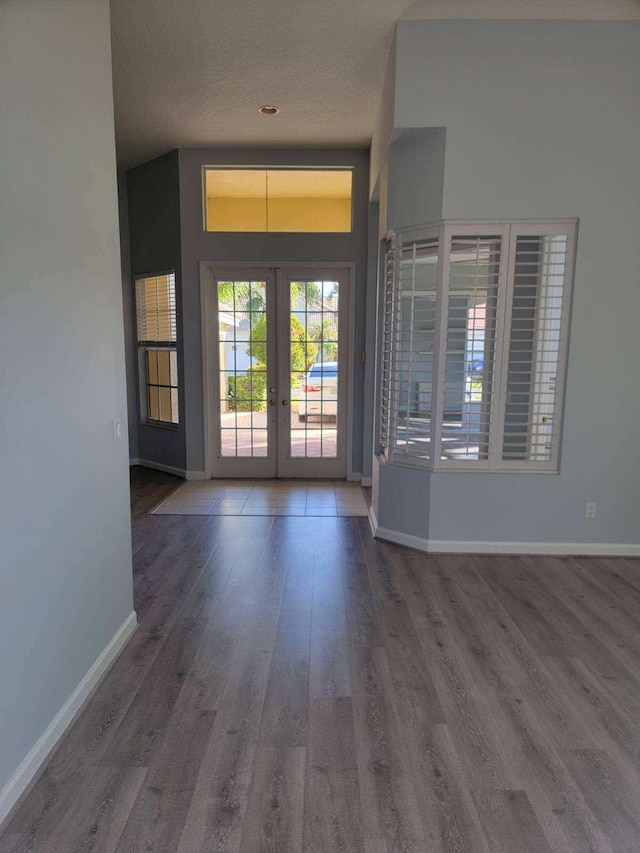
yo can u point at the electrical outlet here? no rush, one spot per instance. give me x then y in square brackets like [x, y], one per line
[590, 510]
[117, 430]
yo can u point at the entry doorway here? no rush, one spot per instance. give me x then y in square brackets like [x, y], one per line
[276, 350]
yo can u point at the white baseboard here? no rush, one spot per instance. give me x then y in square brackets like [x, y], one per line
[444, 546]
[133, 462]
[158, 466]
[195, 475]
[30, 768]
[582, 549]
[396, 536]
[358, 478]
[169, 469]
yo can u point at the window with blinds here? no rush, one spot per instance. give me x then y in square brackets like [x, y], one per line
[387, 323]
[474, 345]
[158, 355]
[413, 331]
[537, 344]
[470, 329]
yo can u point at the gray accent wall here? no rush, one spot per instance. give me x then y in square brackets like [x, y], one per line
[200, 245]
[167, 232]
[542, 122]
[65, 552]
[154, 234]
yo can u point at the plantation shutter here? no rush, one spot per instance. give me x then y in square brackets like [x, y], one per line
[408, 351]
[474, 345]
[468, 364]
[415, 330]
[156, 309]
[387, 325]
[537, 345]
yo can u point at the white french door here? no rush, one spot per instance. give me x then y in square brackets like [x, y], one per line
[276, 370]
[312, 366]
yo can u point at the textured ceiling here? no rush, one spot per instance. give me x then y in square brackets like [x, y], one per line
[192, 73]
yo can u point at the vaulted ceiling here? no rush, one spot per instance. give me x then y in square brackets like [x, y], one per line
[193, 73]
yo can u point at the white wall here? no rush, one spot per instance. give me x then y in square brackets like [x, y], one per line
[382, 130]
[128, 311]
[415, 170]
[65, 548]
[153, 224]
[370, 332]
[543, 121]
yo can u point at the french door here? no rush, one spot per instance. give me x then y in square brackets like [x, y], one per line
[277, 370]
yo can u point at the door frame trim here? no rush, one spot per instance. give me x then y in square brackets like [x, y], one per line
[208, 363]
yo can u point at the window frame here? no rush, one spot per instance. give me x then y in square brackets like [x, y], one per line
[508, 231]
[386, 277]
[399, 240]
[144, 347]
[229, 167]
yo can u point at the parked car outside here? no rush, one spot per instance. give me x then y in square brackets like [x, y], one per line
[319, 393]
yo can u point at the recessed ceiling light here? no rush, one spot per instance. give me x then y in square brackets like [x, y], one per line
[269, 110]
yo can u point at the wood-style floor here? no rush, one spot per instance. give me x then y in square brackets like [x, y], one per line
[296, 686]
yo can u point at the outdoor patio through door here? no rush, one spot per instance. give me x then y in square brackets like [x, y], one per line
[276, 344]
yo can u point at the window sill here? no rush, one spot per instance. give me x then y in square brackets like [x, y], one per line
[472, 469]
[161, 425]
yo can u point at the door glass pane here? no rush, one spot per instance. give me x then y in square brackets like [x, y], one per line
[314, 368]
[242, 332]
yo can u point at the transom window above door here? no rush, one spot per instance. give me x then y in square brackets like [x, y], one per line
[277, 200]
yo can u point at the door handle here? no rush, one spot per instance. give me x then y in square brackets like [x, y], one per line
[285, 402]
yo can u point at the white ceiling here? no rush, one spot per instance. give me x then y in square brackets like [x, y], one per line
[192, 73]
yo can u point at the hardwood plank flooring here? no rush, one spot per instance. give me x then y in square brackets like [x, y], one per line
[297, 687]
